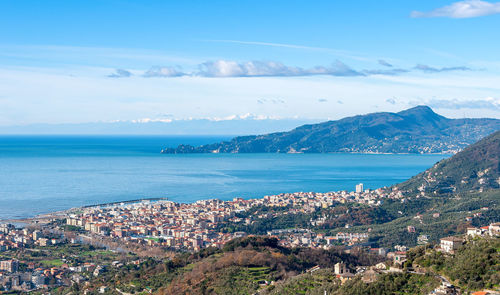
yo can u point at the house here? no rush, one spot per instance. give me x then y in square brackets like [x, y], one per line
[494, 229]
[43, 242]
[103, 289]
[399, 258]
[475, 232]
[445, 289]
[423, 239]
[342, 272]
[450, 244]
[9, 265]
[340, 268]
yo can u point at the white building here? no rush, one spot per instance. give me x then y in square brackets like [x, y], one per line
[450, 244]
[340, 268]
[359, 188]
[475, 232]
[494, 229]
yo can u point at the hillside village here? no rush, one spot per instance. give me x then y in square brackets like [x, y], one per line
[22, 275]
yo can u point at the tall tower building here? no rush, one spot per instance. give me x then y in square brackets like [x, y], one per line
[359, 188]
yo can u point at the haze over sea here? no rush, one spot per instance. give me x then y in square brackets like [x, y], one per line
[41, 174]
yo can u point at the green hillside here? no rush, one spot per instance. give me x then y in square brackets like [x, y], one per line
[416, 130]
[476, 168]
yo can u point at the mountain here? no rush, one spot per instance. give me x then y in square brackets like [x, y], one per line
[475, 168]
[214, 126]
[416, 130]
[463, 190]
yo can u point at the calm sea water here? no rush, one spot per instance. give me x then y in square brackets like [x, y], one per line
[40, 174]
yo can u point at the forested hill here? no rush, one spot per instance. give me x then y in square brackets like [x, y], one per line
[416, 130]
[475, 168]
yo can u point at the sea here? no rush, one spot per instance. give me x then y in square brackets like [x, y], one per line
[43, 174]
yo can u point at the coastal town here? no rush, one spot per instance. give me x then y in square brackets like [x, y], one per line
[180, 227]
[194, 226]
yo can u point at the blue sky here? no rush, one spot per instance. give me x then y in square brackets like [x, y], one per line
[90, 61]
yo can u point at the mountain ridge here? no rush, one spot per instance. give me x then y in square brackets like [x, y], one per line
[415, 130]
[476, 168]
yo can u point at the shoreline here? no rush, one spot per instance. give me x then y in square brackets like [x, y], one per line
[47, 217]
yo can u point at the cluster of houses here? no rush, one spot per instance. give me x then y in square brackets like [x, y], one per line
[26, 276]
[195, 226]
[14, 238]
[298, 237]
[451, 244]
[491, 230]
[164, 223]
[30, 278]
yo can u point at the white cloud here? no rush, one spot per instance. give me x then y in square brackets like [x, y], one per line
[388, 72]
[40, 95]
[226, 68]
[231, 68]
[384, 63]
[158, 71]
[429, 69]
[120, 73]
[462, 9]
[391, 100]
[456, 104]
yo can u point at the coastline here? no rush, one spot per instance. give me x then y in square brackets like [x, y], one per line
[77, 174]
[50, 216]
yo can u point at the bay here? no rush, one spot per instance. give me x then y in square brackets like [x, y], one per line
[41, 174]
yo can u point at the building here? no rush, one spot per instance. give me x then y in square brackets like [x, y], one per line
[399, 258]
[474, 232]
[494, 229]
[340, 268]
[38, 280]
[423, 239]
[103, 289]
[342, 272]
[359, 188]
[43, 242]
[37, 235]
[445, 289]
[9, 265]
[450, 244]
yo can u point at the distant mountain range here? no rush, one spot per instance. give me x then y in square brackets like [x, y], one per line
[476, 168]
[193, 127]
[416, 130]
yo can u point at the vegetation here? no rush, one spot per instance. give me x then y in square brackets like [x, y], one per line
[416, 130]
[473, 267]
[477, 166]
[391, 283]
